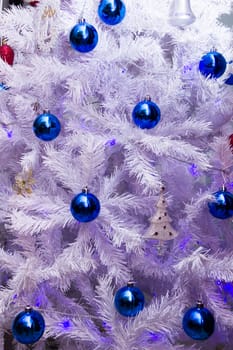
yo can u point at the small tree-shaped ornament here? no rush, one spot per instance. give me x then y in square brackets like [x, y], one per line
[160, 227]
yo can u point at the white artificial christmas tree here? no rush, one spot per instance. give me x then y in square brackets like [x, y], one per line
[70, 270]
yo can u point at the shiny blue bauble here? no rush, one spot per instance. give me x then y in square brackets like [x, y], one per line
[222, 207]
[3, 87]
[83, 37]
[146, 114]
[229, 80]
[85, 207]
[28, 326]
[198, 323]
[111, 12]
[46, 126]
[212, 65]
[129, 300]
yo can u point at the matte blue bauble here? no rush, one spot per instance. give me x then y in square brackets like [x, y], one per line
[85, 207]
[212, 65]
[146, 114]
[129, 300]
[222, 207]
[28, 326]
[111, 11]
[83, 37]
[46, 126]
[198, 322]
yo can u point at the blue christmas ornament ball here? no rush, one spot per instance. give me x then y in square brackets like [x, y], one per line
[85, 206]
[212, 65]
[229, 80]
[28, 326]
[129, 300]
[222, 207]
[46, 126]
[3, 86]
[111, 12]
[83, 37]
[146, 114]
[198, 322]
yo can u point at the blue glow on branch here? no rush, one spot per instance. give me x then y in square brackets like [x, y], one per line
[66, 324]
[111, 142]
[193, 169]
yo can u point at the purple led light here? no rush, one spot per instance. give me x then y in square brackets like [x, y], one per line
[15, 296]
[193, 169]
[187, 68]
[8, 132]
[111, 142]
[154, 337]
[106, 326]
[38, 302]
[66, 324]
[226, 289]
[184, 242]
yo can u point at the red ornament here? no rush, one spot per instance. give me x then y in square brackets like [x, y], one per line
[231, 141]
[7, 54]
[33, 3]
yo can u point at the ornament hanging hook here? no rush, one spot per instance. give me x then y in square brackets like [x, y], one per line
[83, 10]
[3, 40]
[85, 189]
[199, 303]
[223, 188]
[224, 179]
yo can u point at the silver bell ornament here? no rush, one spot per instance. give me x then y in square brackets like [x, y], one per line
[180, 14]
